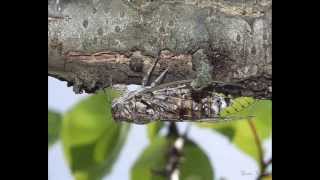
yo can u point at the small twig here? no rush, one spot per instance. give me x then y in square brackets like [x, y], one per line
[264, 175]
[173, 130]
[172, 171]
[266, 164]
[263, 165]
[258, 143]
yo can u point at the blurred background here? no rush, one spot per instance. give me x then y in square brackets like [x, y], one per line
[227, 161]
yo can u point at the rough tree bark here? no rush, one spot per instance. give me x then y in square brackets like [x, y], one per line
[92, 42]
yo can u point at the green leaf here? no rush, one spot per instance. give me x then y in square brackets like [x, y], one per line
[195, 164]
[153, 129]
[152, 159]
[54, 126]
[91, 139]
[244, 138]
[227, 129]
[269, 177]
[239, 107]
[240, 133]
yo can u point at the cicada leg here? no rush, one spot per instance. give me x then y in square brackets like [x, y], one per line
[160, 78]
[146, 78]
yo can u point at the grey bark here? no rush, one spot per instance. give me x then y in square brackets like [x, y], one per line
[92, 43]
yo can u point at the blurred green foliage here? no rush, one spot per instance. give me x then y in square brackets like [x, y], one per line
[92, 140]
[195, 164]
[54, 126]
[153, 129]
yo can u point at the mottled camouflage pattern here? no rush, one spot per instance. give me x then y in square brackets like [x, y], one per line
[172, 102]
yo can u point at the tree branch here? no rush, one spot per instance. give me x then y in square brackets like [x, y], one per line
[91, 42]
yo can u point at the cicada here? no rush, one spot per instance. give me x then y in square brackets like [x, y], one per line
[174, 102]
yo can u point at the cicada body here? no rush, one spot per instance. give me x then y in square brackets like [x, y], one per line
[173, 102]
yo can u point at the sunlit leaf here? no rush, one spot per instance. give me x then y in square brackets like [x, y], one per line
[195, 164]
[269, 177]
[54, 126]
[154, 129]
[240, 133]
[91, 139]
[239, 106]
